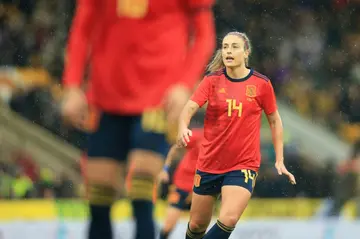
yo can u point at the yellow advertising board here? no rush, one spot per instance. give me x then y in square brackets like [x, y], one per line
[77, 210]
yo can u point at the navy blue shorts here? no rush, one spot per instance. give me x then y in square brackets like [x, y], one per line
[117, 135]
[211, 184]
[179, 198]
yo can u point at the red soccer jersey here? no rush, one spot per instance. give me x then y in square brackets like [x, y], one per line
[138, 49]
[184, 174]
[233, 120]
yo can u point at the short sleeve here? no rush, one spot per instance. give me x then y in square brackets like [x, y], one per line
[201, 94]
[195, 5]
[268, 99]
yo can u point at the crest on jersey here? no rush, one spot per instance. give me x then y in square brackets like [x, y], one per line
[197, 180]
[250, 91]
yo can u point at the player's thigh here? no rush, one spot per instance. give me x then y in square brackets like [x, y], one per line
[179, 201]
[107, 150]
[235, 195]
[149, 143]
[173, 214]
[234, 201]
[201, 211]
[206, 189]
[145, 162]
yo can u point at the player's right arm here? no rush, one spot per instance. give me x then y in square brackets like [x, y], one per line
[74, 105]
[197, 100]
[201, 49]
[79, 42]
[198, 54]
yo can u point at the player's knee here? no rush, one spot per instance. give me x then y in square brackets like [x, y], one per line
[141, 186]
[146, 161]
[167, 228]
[229, 219]
[197, 225]
[101, 194]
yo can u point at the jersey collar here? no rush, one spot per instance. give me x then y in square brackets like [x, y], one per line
[240, 79]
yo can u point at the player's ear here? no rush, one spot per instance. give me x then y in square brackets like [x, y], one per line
[247, 54]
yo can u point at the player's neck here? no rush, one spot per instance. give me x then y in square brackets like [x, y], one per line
[237, 72]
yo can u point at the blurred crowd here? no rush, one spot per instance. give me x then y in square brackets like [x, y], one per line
[310, 50]
[22, 178]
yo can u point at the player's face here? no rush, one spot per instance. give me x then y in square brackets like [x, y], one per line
[233, 51]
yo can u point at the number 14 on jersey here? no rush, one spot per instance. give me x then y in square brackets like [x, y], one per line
[233, 105]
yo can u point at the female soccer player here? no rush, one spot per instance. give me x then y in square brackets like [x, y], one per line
[145, 57]
[230, 154]
[180, 195]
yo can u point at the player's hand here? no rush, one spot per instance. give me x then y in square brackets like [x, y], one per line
[175, 101]
[164, 177]
[74, 107]
[281, 169]
[184, 137]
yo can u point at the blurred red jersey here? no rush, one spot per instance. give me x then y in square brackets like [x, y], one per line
[185, 172]
[233, 120]
[138, 49]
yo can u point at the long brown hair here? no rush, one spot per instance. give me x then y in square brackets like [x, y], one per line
[217, 61]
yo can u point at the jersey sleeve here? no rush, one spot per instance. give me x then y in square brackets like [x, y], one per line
[268, 99]
[201, 94]
[78, 45]
[201, 48]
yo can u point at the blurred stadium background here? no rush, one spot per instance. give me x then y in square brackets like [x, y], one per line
[311, 51]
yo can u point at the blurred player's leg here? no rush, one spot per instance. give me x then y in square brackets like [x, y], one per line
[101, 175]
[145, 165]
[148, 150]
[172, 216]
[200, 215]
[179, 201]
[108, 147]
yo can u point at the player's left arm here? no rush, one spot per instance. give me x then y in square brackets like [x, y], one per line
[196, 101]
[164, 176]
[174, 150]
[269, 105]
[203, 45]
[276, 127]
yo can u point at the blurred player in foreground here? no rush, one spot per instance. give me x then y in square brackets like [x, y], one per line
[347, 186]
[145, 57]
[230, 154]
[180, 194]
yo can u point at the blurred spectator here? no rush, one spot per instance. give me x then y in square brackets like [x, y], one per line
[347, 187]
[64, 187]
[21, 186]
[21, 179]
[26, 165]
[5, 183]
